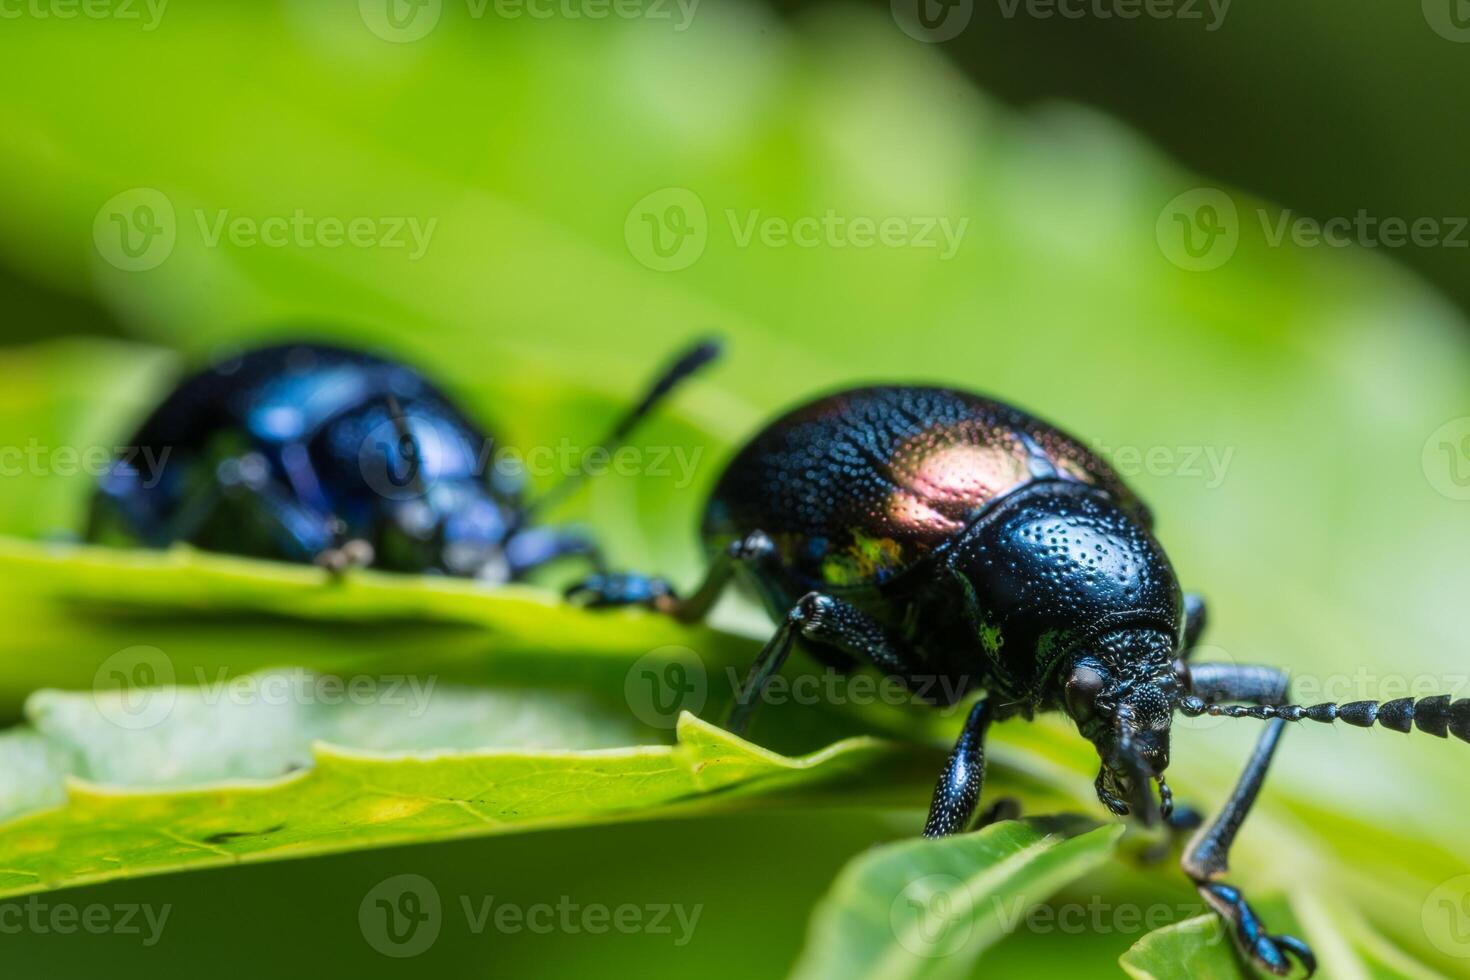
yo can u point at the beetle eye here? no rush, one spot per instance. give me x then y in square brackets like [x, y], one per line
[1083, 686]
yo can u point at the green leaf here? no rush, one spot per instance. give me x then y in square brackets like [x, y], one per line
[1320, 376]
[348, 799]
[71, 608]
[1197, 948]
[60, 408]
[1347, 947]
[929, 908]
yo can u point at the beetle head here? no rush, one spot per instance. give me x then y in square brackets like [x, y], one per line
[1121, 690]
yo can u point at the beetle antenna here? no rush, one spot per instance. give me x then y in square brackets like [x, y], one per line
[1436, 715]
[685, 365]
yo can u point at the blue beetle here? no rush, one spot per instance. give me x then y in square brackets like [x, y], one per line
[941, 536]
[320, 454]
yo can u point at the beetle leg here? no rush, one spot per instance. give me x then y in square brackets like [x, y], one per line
[1215, 682]
[536, 546]
[767, 663]
[829, 623]
[1195, 619]
[605, 590]
[631, 589]
[302, 532]
[958, 789]
[1227, 682]
[1208, 855]
[306, 534]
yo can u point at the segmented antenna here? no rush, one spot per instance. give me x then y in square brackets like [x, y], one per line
[1436, 715]
[687, 363]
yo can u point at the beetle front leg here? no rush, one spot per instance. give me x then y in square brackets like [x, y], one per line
[1196, 617]
[958, 789]
[302, 532]
[533, 547]
[631, 589]
[1208, 855]
[827, 622]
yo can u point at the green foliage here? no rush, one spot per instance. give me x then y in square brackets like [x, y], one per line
[925, 908]
[339, 799]
[1274, 412]
[1196, 947]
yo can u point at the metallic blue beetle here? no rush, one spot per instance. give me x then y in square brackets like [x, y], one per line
[942, 536]
[319, 454]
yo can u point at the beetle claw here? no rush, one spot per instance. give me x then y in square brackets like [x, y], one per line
[601, 591]
[1270, 951]
[356, 553]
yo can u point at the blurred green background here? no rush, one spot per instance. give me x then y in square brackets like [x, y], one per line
[590, 192]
